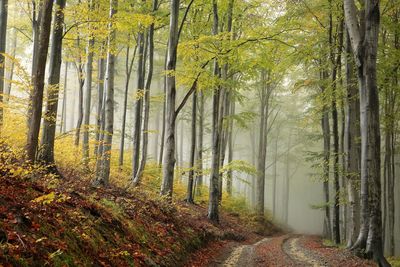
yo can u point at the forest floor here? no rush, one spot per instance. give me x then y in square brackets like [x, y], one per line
[47, 221]
[287, 250]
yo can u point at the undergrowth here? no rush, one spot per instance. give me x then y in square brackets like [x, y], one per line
[45, 220]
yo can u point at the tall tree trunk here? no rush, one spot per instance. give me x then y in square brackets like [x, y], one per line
[287, 181]
[63, 124]
[335, 126]
[213, 213]
[37, 9]
[230, 148]
[81, 82]
[146, 102]
[100, 103]
[10, 73]
[262, 146]
[102, 178]
[189, 195]
[352, 149]
[200, 143]
[36, 103]
[161, 155]
[46, 154]
[170, 115]
[365, 43]
[3, 33]
[88, 93]
[128, 72]
[326, 158]
[275, 174]
[139, 103]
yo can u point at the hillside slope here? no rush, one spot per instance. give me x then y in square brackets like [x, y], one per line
[67, 222]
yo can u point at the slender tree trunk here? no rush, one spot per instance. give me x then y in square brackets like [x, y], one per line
[161, 155]
[139, 103]
[335, 126]
[37, 10]
[170, 115]
[3, 34]
[189, 195]
[36, 102]
[287, 181]
[100, 103]
[352, 149]
[88, 94]
[326, 159]
[128, 72]
[213, 213]
[146, 103]
[46, 154]
[200, 142]
[81, 82]
[10, 73]
[102, 178]
[230, 148]
[63, 124]
[262, 146]
[275, 173]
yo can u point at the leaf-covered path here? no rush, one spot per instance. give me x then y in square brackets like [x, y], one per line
[289, 250]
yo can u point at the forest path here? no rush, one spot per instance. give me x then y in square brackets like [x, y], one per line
[289, 250]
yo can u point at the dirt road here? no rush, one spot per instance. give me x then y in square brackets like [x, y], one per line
[289, 250]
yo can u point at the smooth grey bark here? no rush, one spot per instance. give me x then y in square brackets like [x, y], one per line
[170, 116]
[46, 153]
[36, 99]
[3, 34]
[180, 157]
[229, 177]
[63, 124]
[102, 177]
[10, 73]
[335, 62]
[161, 155]
[139, 104]
[253, 162]
[81, 82]
[265, 94]
[146, 102]
[100, 103]
[365, 45]
[36, 18]
[352, 149]
[325, 126]
[391, 98]
[275, 173]
[200, 143]
[189, 192]
[287, 181]
[128, 72]
[157, 134]
[88, 93]
[213, 212]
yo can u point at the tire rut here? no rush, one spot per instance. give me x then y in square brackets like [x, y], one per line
[299, 255]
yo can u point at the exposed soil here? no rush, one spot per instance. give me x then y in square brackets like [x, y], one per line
[288, 250]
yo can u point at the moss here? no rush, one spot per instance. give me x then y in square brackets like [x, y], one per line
[395, 262]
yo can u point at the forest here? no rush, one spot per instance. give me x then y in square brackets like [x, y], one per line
[199, 133]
